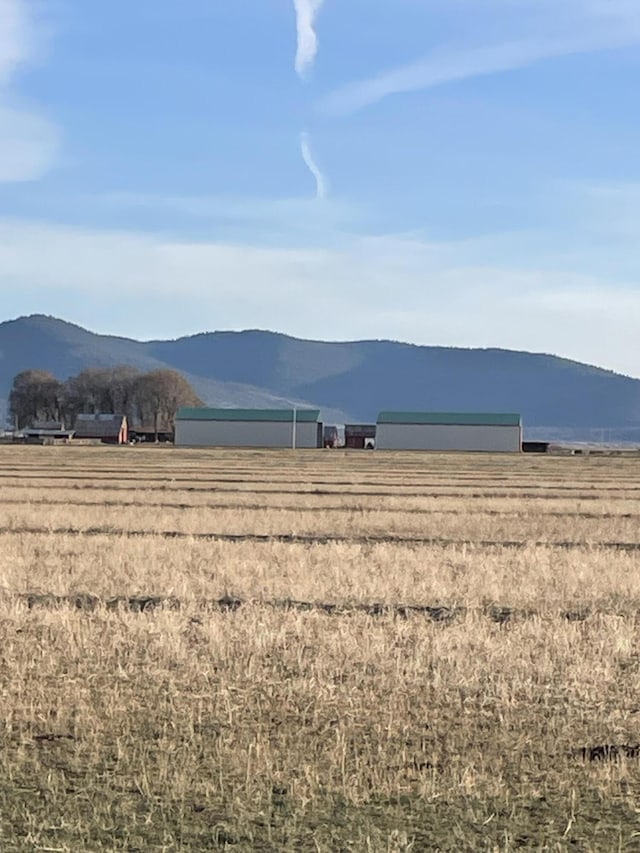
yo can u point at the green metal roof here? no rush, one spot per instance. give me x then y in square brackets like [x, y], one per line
[451, 418]
[271, 415]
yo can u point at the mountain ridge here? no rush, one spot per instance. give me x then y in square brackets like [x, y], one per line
[348, 380]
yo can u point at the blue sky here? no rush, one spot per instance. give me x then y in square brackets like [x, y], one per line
[457, 172]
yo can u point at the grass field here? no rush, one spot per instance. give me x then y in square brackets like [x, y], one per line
[318, 651]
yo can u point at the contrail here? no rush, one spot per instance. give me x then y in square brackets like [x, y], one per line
[306, 14]
[321, 184]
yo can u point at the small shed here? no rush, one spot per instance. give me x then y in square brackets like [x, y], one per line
[331, 436]
[44, 432]
[145, 434]
[360, 436]
[535, 446]
[204, 427]
[107, 428]
[495, 432]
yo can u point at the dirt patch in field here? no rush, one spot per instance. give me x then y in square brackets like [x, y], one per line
[609, 752]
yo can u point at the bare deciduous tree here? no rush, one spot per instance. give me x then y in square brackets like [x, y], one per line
[159, 395]
[110, 390]
[148, 398]
[36, 395]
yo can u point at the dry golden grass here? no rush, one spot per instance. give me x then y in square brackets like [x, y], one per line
[282, 727]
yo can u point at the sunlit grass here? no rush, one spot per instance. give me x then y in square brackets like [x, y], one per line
[278, 728]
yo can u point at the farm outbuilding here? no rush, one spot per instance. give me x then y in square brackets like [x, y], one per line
[44, 432]
[360, 436]
[106, 428]
[535, 446]
[204, 427]
[444, 431]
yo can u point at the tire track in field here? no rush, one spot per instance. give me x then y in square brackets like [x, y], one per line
[312, 484]
[315, 539]
[445, 614]
[500, 613]
[165, 488]
[596, 516]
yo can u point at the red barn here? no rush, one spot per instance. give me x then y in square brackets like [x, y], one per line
[109, 429]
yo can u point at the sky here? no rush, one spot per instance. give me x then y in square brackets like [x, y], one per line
[450, 172]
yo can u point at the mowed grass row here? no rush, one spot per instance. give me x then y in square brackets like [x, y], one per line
[596, 507]
[281, 729]
[260, 730]
[470, 576]
[346, 523]
[340, 468]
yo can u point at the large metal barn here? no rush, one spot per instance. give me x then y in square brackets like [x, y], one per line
[248, 428]
[444, 431]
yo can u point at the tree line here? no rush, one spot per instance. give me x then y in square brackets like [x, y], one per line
[147, 399]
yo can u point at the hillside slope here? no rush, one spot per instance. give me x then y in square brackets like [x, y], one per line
[366, 376]
[65, 349]
[351, 380]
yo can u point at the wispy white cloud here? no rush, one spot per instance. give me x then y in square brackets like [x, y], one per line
[307, 47]
[28, 142]
[321, 184]
[591, 25]
[264, 220]
[28, 145]
[400, 287]
[14, 38]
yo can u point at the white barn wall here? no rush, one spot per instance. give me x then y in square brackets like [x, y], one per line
[463, 437]
[204, 433]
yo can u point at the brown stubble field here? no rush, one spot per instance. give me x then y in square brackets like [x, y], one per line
[322, 651]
